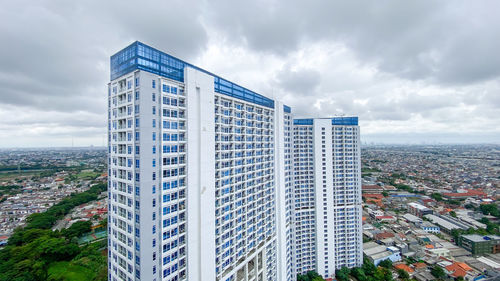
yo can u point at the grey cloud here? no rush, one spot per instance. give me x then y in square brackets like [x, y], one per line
[56, 53]
[300, 82]
[452, 43]
[382, 59]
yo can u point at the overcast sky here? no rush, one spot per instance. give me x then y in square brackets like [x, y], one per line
[413, 71]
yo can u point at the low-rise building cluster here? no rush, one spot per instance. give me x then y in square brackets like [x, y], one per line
[423, 209]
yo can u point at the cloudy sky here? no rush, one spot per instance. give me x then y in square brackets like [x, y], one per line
[413, 71]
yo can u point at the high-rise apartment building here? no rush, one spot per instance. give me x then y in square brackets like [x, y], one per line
[327, 169]
[201, 175]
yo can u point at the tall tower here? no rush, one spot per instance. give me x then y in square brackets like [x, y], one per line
[327, 169]
[200, 174]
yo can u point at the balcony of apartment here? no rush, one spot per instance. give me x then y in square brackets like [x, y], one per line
[121, 127]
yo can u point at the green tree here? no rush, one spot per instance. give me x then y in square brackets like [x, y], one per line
[55, 249]
[343, 274]
[386, 274]
[77, 229]
[470, 206]
[438, 272]
[437, 196]
[453, 214]
[484, 220]
[386, 263]
[490, 209]
[403, 274]
[31, 250]
[310, 276]
[369, 267]
[455, 233]
[359, 274]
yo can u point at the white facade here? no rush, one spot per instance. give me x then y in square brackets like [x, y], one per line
[285, 195]
[305, 219]
[147, 178]
[193, 181]
[328, 195]
[210, 181]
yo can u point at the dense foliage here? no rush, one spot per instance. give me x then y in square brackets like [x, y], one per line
[437, 196]
[309, 276]
[38, 253]
[367, 272]
[490, 209]
[438, 272]
[10, 189]
[47, 219]
[386, 263]
[403, 275]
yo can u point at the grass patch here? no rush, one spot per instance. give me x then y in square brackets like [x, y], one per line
[67, 271]
[88, 175]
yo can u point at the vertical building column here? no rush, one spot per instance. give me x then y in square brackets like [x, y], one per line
[199, 88]
[149, 255]
[323, 180]
[279, 175]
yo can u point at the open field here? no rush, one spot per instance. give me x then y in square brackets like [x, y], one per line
[67, 271]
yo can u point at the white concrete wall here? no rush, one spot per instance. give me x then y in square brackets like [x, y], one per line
[281, 200]
[199, 88]
[324, 199]
[146, 180]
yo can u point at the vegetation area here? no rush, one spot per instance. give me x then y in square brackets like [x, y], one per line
[35, 252]
[38, 171]
[82, 175]
[10, 190]
[367, 272]
[47, 219]
[490, 209]
[37, 167]
[438, 272]
[367, 171]
[437, 196]
[310, 276]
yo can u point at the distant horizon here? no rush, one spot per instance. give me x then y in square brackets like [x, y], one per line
[363, 143]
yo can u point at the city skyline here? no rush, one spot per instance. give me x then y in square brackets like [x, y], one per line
[210, 180]
[414, 72]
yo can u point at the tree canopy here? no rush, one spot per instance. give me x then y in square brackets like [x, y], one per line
[31, 251]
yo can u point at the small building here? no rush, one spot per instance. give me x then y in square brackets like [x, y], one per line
[471, 193]
[390, 188]
[377, 253]
[446, 224]
[439, 252]
[418, 209]
[478, 244]
[411, 218]
[383, 235]
[372, 189]
[429, 227]
[385, 218]
[404, 267]
[459, 269]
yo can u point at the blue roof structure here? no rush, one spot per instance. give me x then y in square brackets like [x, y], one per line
[348, 121]
[143, 57]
